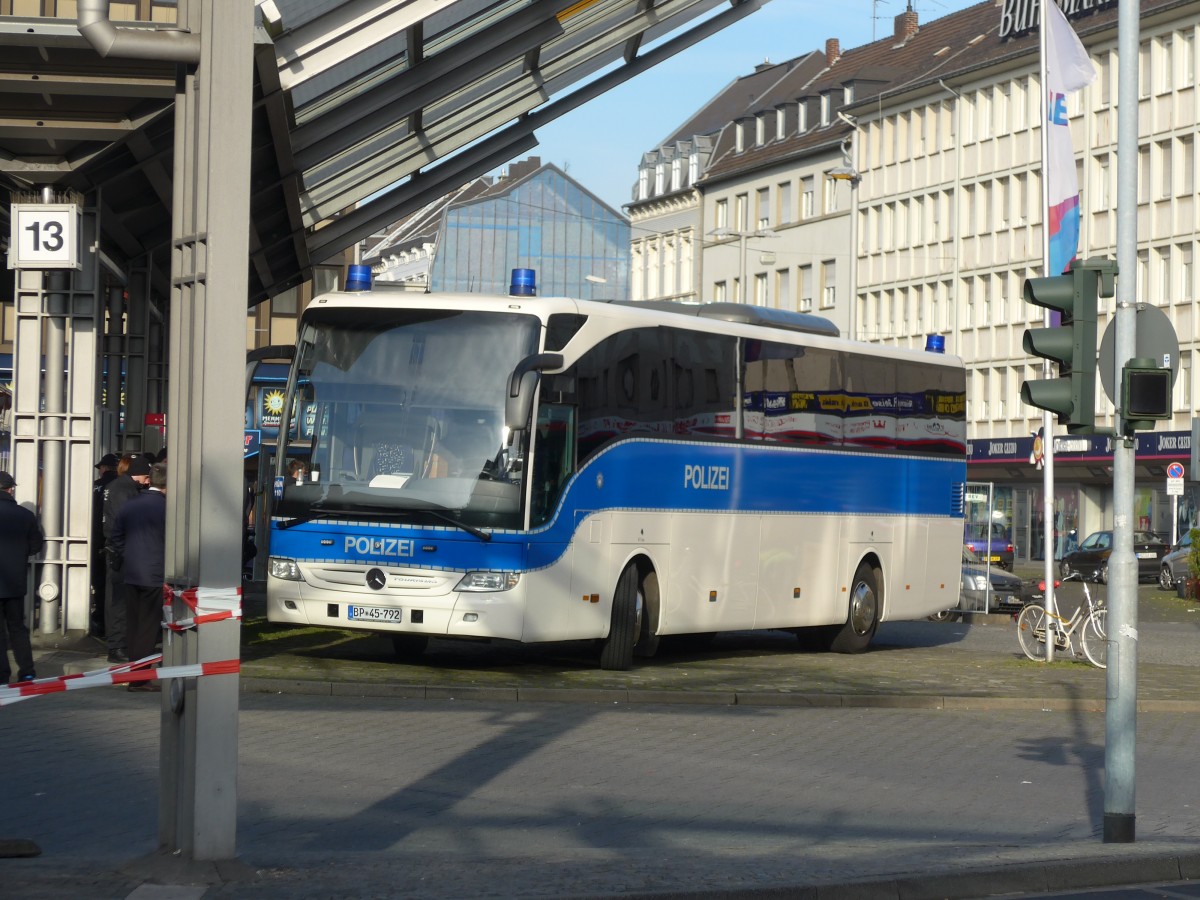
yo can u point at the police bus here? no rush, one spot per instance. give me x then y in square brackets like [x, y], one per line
[540, 469]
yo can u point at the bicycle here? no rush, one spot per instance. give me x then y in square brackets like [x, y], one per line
[1091, 616]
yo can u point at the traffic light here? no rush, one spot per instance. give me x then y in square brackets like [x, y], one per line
[1072, 344]
[1145, 394]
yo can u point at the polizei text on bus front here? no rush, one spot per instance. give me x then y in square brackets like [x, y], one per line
[367, 546]
[706, 478]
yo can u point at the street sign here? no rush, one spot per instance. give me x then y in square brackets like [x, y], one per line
[1175, 480]
[1155, 339]
[44, 236]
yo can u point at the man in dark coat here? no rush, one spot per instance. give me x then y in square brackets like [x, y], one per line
[20, 538]
[139, 540]
[134, 475]
[106, 471]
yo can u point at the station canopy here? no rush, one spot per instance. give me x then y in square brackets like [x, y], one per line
[363, 112]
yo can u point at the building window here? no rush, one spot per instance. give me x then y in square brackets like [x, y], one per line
[1164, 169]
[722, 214]
[807, 205]
[643, 184]
[783, 288]
[1187, 59]
[740, 213]
[1183, 386]
[1186, 273]
[828, 284]
[806, 288]
[676, 173]
[693, 168]
[760, 289]
[826, 106]
[831, 195]
[764, 208]
[783, 194]
[720, 292]
[660, 178]
[802, 118]
[760, 131]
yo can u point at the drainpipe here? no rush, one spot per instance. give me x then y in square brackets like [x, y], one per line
[134, 43]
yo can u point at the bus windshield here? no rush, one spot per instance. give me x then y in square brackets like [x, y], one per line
[404, 409]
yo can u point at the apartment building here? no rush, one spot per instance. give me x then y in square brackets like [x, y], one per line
[906, 175]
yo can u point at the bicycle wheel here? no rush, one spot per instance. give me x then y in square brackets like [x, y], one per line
[1031, 632]
[1095, 638]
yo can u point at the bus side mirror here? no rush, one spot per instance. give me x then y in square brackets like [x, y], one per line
[518, 400]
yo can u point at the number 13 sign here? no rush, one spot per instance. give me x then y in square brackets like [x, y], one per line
[44, 236]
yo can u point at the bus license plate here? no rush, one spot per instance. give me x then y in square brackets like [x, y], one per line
[374, 614]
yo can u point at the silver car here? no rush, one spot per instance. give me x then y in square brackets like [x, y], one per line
[1174, 569]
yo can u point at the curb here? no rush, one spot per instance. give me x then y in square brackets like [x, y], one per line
[256, 685]
[1065, 875]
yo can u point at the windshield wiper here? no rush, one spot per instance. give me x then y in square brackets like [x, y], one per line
[319, 509]
[450, 520]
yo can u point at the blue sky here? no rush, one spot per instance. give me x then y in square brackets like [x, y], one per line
[600, 143]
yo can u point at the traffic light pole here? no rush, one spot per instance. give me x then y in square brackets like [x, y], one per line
[1120, 715]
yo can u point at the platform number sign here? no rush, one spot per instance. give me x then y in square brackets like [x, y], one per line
[44, 236]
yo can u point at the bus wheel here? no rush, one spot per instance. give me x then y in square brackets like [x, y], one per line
[862, 618]
[616, 653]
[409, 646]
[647, 643]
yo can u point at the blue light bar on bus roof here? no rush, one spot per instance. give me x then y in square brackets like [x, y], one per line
[523, 283]
[358, 278]
[935, 343]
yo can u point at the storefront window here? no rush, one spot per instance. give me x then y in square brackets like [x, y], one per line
[1066, 522]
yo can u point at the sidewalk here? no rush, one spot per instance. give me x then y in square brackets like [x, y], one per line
[924, 768]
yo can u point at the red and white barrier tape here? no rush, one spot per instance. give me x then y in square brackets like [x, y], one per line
[208, 605]
[128, 673]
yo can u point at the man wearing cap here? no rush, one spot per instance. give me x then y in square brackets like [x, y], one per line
[133, 474]
[20, 538]
[106, 471]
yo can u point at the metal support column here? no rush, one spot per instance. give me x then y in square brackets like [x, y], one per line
[53, 433]
[210, 247]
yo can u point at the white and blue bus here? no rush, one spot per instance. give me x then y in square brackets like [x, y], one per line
[539, 469]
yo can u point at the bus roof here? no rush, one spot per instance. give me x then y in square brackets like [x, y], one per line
[822, 329]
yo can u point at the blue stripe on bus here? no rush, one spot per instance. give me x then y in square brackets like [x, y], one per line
[656, 476]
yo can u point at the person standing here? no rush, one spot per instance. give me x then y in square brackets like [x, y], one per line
[133, 474]
[20, 538]
[106, 471]
[138, 539]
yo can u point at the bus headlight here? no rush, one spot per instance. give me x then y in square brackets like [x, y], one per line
[488, 581]
[284, 569]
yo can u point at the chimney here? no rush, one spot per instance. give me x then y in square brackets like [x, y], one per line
[833, 51]
[906, 25]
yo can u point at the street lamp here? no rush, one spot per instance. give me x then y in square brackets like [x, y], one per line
[724, 233]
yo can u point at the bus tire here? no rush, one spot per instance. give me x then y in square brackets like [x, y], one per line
[647, 642]
[616, 653]
[862, 616]
[409, 646]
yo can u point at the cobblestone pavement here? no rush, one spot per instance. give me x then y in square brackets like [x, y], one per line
[369, 797]
[939, 764]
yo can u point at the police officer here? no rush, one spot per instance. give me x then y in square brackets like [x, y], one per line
[106, 471]
[20, 538]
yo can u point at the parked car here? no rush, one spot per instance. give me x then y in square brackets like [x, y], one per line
[1173, 569]
[990, 544]
[1091, 559]
[1007, 594]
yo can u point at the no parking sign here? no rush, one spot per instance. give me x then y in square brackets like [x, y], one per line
[1175, 480]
